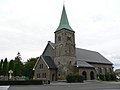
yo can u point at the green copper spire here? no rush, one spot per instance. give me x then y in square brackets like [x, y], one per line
[64, 23]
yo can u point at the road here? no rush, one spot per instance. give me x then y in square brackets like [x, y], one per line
[97, 85]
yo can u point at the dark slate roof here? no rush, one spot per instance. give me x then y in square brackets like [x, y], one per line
[91, 56]
[52, 44]
[84, 58]
[81, 63]
[49, 62]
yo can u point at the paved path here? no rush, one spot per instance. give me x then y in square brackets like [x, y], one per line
[71, 86]
[4, 87]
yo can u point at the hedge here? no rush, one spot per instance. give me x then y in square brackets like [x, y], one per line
[101, 77]
[71, 78]
[107, 77]
[23, 82]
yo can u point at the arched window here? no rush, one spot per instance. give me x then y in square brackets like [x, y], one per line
[105, 70]
[110, 70]
[45, 75]
[38, 75]
[100, 70]
[59, 38]
[58, 63]
[41, 65]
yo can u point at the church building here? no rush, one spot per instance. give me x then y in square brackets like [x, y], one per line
[62, 57]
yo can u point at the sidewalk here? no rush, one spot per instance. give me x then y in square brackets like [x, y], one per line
[65, 83]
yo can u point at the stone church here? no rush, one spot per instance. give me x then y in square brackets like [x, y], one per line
[62, 57]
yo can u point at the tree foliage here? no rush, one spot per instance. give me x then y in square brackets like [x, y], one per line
[28, 67]
[107, 77]
[18, 65]
[1, 67]
[72, 78]
[5, 67]
[11, 65]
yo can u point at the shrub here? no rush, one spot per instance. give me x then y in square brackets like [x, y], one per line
[74, 78]
[101, 77]
[107, 77]
[113, 77]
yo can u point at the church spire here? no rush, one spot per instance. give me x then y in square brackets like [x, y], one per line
[64, 23]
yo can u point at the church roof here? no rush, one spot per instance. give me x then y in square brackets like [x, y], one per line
[81, 63]
[49, 62]
[64, 23]
[84, 58]
[91, 56]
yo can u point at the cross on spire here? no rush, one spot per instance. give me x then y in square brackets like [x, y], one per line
[64, 2]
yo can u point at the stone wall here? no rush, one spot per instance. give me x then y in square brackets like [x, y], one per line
[98, 69]
[88, 71]
[43, 72]
[103, 68]
[65, 65]
[13, 78]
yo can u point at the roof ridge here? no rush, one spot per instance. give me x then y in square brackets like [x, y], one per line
[51, 43]
[86, 50]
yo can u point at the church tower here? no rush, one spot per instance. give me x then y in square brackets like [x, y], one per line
[65, 54]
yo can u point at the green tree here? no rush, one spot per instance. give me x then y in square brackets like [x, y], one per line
[5, 67]
[28, 67]
[18, 65]
[18, 57]
[11, 65]
[1, 67]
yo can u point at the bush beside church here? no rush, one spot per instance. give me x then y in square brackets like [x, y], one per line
[73, 78]
[107, 77]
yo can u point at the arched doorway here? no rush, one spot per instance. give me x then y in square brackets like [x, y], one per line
[92, 75]
[84, 75]
[53, 77]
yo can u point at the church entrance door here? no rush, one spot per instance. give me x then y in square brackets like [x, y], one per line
[53, 77]
[92, 75]
[84, 75]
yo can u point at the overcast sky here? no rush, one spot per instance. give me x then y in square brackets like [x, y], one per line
[27, 25]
